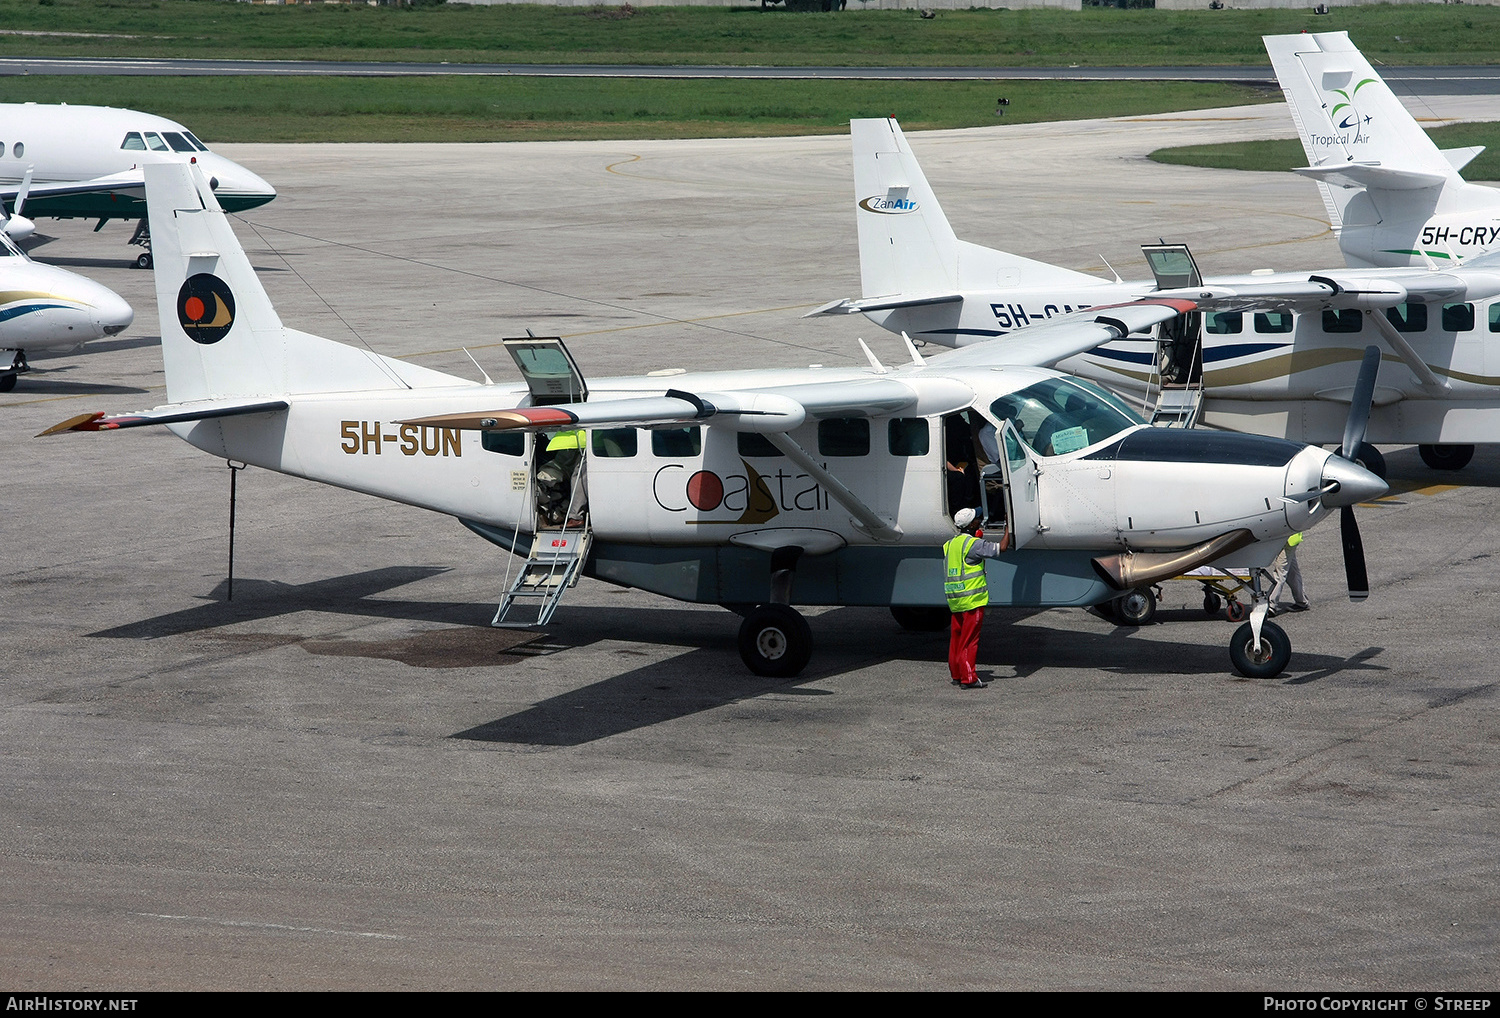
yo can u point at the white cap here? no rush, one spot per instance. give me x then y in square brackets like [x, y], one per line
[963, 518]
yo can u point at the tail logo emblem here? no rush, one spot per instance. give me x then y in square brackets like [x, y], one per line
[205, 307]
[888, 205]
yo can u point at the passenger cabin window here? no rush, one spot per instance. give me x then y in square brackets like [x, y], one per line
[1408, 317]
[908, 436]
[155, 143]
[1495, 317]
[190, 136]
[1224, 323]
[1458, 317]
[1273, 321]
[18, 150]
[677, 441]
[754, 444]
[178, 142]
[507, 443]
[132, 143]
[1059, 416]
[614, 443]
[844, 436]
[1348, 320]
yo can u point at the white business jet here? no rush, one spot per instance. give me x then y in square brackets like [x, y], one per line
[46, 308]
[753, 489]
[1392, 196]
[1265, 353]
[83, 162]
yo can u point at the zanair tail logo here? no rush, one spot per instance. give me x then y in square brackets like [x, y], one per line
[886, 205]
[205, 307]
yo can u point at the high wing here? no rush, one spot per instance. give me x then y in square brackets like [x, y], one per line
[1340, 290]
[1044, 345]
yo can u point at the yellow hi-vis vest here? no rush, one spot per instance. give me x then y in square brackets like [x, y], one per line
[964, 584]
[566, 440]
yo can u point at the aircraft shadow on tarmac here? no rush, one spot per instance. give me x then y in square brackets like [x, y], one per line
[709, 675]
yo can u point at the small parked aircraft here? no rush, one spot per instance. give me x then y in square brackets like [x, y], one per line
[750, 489]
[43, 307]
[1266, 353]
[83, 162]
[1392, 197]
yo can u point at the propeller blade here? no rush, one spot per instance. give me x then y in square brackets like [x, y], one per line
[1354, 555]
[21, 194]
[1359, 405]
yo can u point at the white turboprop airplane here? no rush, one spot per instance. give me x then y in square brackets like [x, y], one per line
[1264, 353]
[1392, 196]
[83, 162]
[46, 308]
[751, 489]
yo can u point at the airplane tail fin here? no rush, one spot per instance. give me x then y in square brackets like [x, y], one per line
[220, 336]
[1354, 130]
[906, 245]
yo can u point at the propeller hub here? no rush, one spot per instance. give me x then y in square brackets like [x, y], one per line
[1355, 483]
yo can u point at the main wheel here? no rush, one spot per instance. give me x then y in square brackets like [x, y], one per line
[1136, 608]
[921, 619]
[1211, 603]
[1369, 457]
[8, 382]
[1272, 658]
[1446, 457]
[776, 641]
[143, 261]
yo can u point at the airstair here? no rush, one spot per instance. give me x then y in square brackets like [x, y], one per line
[1178, 406]
[555, 562]
[1178, 368]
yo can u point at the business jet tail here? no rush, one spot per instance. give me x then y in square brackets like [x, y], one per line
[220, 336]
[907, 247]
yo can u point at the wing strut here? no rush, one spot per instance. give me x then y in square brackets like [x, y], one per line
[1429, 381]
[865, 518]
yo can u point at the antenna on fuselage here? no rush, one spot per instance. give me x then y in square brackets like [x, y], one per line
[911, 348]
[486, 374]
[1111, 268]
[880, 369]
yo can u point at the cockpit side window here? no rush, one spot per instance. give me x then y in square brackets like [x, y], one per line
[1059, 416]
[133, 142]
[190, 136]
[178, 142]
[154, 142]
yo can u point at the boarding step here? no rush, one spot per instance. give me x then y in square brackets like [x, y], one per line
[1178, 406]
[556, 559]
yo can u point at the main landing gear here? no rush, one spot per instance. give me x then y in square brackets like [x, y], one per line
[142, 238]
[1446, 457]
[775, 640]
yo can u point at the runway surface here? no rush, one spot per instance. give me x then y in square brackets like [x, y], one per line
[1458, 80]
[344, 779]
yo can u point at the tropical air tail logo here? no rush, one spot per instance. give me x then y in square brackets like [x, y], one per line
[1342, 110]
[888, 206]
[205, 307]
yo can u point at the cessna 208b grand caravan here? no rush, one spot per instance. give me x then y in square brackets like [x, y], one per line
[1265, 353]
[754, 489]
[1393, 198]
[46, 308]
[83, 162]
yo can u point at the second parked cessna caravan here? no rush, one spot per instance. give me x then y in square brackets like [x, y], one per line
[1270, 354]
[757, 489]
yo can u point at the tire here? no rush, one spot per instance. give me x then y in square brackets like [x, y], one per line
[1275, 651]
[1212, 603]
[1234, 611]
[1136, 608]
[144, 261]
[8, 382]
[775, 641]
[1369, 457]
[922, 619]
[1446, 457]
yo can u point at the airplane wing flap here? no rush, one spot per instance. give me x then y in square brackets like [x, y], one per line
[1045, 345]
[746, 411]
[172, 413]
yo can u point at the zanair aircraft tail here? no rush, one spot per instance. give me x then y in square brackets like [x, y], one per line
[909, 257]
[1392, 196]
[222, 341]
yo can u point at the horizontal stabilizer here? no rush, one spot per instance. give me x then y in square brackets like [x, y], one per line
[1372, 175]
[857, 307]
[1458, 158]
[173, 413]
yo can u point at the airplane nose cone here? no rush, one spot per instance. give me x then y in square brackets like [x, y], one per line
[237, 188]
[111, 313]
[1356, 484]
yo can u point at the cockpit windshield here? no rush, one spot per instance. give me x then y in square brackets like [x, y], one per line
[1063, 415]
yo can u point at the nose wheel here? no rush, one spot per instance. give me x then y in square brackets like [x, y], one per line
[1260, 649]
[775, 641]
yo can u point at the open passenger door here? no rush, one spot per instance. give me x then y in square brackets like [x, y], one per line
[549, 370]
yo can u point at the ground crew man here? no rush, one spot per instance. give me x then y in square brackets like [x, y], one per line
[968, 593]
[1289, 577]
[554, 478]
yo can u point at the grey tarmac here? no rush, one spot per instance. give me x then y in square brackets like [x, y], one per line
[344, 779]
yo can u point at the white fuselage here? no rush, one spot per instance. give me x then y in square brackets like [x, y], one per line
[43, 307]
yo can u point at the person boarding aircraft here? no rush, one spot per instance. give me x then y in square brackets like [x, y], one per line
[1264, 353]
[754, 489]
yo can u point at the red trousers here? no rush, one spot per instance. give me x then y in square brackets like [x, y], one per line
[963, 645]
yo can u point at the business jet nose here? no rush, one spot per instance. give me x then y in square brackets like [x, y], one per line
[236, 188]
[1356, 484]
